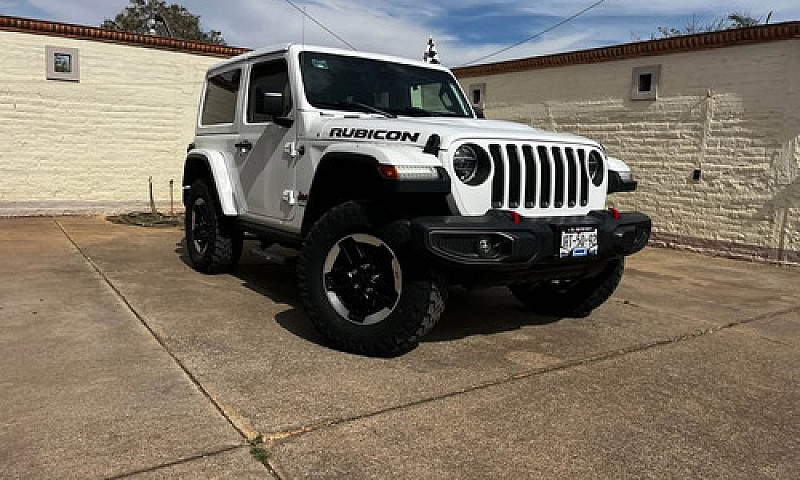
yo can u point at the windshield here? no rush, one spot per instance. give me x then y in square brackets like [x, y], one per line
[364, 85]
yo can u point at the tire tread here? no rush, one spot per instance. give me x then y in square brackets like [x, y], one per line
[226, 249]
[423, 315]
[577, 302]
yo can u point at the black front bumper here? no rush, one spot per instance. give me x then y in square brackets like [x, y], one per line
[502, 246]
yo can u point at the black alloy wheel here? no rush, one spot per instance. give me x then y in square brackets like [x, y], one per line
[362, 278]
[214, 246]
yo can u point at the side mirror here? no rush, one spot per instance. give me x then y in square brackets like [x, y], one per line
[478, 111]
[272, 105]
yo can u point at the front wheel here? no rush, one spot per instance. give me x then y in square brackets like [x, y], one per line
[212, 247]
[573, 297]
[361, 290]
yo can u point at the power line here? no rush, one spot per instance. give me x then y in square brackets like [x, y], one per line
[526, 40]
[290, 2]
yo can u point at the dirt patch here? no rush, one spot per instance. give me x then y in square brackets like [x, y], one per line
[147, 219]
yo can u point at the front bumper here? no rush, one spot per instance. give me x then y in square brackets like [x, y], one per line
[503, 246]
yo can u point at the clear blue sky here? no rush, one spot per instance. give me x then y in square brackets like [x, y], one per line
[463, 29]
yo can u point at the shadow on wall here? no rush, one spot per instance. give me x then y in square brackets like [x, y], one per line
[786, 200]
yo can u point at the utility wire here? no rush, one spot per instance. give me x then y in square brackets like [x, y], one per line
[526, 40]
[290, 2]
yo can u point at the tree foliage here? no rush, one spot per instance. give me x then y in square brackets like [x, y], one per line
[157, 17]
[728, 22]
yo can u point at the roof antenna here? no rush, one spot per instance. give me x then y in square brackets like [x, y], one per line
[430, 52]
[303, 28]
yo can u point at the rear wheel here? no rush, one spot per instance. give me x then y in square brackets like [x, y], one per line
[360, 288]
[574, 297]
[213, 246]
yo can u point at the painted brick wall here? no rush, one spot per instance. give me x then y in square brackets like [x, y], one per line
[733, 113]
[91, 146]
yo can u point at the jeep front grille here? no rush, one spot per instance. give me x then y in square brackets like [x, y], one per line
[539, 176]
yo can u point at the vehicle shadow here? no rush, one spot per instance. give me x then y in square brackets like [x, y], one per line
[482, 312]
[467, 313]
[277, 282]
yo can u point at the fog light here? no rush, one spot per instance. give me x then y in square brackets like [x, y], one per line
[484, 247]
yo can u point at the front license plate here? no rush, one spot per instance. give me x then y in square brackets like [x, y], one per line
[578, 242]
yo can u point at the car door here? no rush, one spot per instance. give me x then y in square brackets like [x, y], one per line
[266, 168]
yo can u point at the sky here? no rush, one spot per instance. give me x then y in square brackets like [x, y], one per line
[464, 30]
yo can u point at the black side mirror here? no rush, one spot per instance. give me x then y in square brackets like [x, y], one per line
[478, 111]
[272, 105]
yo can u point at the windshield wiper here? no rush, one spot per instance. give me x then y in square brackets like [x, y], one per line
[371, 108]
[420, 112]
[362, 106]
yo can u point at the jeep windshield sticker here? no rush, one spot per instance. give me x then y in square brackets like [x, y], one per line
[322, 64]
[393, 135]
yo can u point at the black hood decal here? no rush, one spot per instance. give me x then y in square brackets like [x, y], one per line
[376, 134]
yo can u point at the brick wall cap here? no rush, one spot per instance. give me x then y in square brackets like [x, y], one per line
[684, 43]
[82, 32]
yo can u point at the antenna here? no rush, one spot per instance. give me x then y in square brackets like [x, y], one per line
[430, 52]
[321, 25]
[303, 28]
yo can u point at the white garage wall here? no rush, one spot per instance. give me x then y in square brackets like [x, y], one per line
[90, 146]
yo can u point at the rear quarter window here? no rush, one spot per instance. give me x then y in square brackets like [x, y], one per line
[219, 104]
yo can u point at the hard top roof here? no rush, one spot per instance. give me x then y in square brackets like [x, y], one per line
[295, 49]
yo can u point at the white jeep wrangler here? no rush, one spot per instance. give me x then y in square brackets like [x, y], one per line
[391, 186]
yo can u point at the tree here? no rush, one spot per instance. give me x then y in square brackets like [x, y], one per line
[156, 17]
[728, 22]
[740, 20]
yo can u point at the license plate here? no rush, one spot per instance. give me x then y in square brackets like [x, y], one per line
[578, 242]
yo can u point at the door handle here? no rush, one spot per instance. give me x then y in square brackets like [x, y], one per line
[244, 146]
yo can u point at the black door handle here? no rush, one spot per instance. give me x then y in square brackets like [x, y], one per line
[244, 146]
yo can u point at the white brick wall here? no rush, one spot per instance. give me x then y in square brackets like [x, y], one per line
[91, 146]
[733, 112]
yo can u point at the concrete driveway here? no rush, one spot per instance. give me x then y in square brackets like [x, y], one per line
[117, 360]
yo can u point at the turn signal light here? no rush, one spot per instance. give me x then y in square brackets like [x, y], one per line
[408, 172]
[388, 171]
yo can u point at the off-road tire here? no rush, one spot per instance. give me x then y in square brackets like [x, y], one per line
[418, 306]
[213, 245]
[576, 298]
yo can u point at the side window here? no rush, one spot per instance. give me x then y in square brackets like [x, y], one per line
[219, 105]
[269, 93]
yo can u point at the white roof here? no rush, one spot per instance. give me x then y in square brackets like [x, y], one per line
[295, 49]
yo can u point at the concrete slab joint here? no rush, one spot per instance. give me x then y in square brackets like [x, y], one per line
[119, 361]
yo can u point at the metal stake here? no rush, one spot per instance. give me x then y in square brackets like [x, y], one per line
[152, 202]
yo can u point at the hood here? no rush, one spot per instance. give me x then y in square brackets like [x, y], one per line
[416, 131]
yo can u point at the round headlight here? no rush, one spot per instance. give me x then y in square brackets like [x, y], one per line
[465, 163]
[595, 166]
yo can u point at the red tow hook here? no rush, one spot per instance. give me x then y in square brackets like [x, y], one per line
[516, 217]
[614, 213]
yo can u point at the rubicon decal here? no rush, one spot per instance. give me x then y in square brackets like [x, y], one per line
[392, 135]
